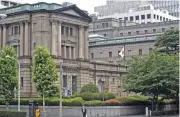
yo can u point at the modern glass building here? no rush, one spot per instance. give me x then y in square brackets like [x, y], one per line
[119, 6]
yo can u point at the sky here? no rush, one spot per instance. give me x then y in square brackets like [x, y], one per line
[87, 5]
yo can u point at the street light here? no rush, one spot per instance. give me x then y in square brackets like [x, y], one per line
[18, 80]
[60, 79]
[102, 81]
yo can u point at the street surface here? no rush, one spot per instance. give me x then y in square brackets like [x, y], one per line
[152, 116]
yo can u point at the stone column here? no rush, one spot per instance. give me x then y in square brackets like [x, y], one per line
[74, 53]
[59, 39]
[21, 39]
[53, 39]
[26, 43]
[80, 42]
[0, 36]
[86, 43]
[4, 35]
[64, 51]
[70, 52]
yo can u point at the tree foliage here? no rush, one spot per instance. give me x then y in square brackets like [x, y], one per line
[156, 74]
[8, 73]
[168, 41]
[44, 72]
[90, 88]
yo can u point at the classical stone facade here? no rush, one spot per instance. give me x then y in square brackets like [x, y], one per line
[63, 30]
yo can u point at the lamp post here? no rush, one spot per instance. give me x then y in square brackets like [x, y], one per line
[18, 80]
[60, 89]
[102, 81]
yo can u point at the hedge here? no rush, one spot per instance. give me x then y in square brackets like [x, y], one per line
[12, 114]
[78, 101]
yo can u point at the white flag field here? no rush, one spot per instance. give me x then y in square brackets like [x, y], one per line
[122, 52]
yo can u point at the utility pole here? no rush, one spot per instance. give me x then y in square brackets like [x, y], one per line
[60, 89]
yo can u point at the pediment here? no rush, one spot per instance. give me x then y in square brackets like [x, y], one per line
[71, 12]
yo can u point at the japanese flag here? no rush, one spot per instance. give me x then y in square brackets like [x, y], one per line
[122, 52]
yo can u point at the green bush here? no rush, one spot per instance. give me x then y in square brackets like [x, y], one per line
[110, 96]
[93, 103]
[87, 96]
[77, 95]
[134, 100]
[90, 88]
[77, 101]
[99, 96]
[12, 114]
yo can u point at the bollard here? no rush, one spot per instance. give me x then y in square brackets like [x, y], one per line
[150, 112]
[146, 111]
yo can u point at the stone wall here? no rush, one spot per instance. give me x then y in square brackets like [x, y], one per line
[106, 111]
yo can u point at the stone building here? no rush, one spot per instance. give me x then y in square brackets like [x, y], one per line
[137, 39]
[63, 30]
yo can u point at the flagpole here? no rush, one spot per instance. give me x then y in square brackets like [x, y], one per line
[124, 54]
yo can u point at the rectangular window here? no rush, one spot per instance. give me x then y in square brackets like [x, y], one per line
[103, 25]
[72, 52]
[154, 16]
[19, 29]
[154, 30]
[166, 19]
[131, 18]
[92, 55]
[137, 32]
[142, 16]
[145, 31]
[160, 18]
[106, 24]
[157, 17]
[15, 48]
[129, 33]
[118, 53]
[137, 17]
[163, 18]
[34, 45]
[16, 30]
[71, 31]
[110, 54]
[62, 30]
[12, 30]
[126, 18]
[172, 28]
[67, 31]
[121, 34]
[22, 82]
[140, 51]
[163, 29]
[148, 16]
[129, 52]
[64, 80]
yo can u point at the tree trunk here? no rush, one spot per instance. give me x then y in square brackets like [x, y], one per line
[44, 109]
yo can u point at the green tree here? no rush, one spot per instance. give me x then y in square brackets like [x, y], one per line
[90, 88]
[44, 73]
[8, 73]
[168, 41]
[154, 74]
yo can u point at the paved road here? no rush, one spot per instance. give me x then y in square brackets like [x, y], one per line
[152, 116]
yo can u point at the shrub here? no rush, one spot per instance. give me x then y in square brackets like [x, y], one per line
[77, 101]
[90, 88]
[112, 102]
[97, 96]
[105, 96]
[93, 103]
[110, 96]
[12, 114]
[87, 96]
[77, 95]
[134, 100]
